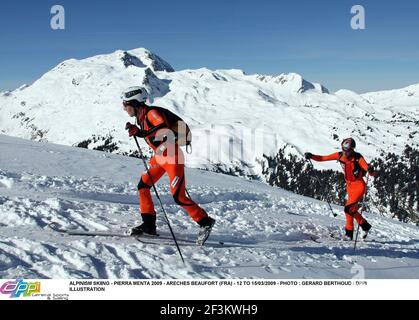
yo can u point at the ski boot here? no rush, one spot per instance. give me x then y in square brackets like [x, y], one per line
[206, 225]
[366, 227]
[147, 227]
[349, 235]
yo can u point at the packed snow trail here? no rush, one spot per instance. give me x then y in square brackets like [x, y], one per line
[267, 232]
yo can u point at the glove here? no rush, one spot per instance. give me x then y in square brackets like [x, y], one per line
[372, 172]
[308, 155]
[133, 130]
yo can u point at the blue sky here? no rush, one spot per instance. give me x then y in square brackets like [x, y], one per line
[313, 38]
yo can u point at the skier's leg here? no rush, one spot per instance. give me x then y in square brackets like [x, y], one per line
[148, 213]
[355, 193]
[178, 189]
[155, 172]
[352, 211]
[349, 227]
[359, 218]
[362, 222]
[176, 172]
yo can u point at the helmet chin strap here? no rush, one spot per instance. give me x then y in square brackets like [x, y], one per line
[140, 113]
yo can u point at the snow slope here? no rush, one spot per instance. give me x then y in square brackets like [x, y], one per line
[266, 231]
[235, 118]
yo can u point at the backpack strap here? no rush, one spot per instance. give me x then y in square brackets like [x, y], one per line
[357, 167]
[340, 157]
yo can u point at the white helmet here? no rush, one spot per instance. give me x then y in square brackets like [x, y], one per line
[135, 93]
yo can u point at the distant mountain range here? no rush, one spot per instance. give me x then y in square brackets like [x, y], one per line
[235, 118]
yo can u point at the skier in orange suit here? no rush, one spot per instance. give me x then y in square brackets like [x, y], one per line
[355, 167]
[168, 158]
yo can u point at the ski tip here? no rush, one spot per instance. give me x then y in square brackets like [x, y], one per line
[314, 239]
[52, 225]
[55, 226]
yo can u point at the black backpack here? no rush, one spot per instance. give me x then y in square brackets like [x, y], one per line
[178, 126]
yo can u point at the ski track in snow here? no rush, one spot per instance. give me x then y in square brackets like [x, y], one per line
[266, 231]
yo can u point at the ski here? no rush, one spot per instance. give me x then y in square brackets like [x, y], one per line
[157, 241]
[339, 238]
[161, 239]
[56, 228]
[335, 236]
[314, 239]
[331, 235]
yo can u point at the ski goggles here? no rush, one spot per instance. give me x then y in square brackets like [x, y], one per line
[127, 104]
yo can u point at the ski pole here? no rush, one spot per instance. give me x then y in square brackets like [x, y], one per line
[356, 237]
[362, 208]
[158, 197]
[187, 192]
[323, 195]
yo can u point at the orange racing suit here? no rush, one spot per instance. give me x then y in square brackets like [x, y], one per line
[168, 158]
[354, 168]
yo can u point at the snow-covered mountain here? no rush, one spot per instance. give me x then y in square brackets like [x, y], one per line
[235, 118]
[266, 231]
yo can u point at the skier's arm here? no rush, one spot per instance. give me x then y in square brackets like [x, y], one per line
[156, 120]
[333, 156]
[133, 130]
[364, 165]
[146, 133]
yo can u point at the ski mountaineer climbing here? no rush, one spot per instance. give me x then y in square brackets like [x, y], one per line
[154, 124]
[355, 167]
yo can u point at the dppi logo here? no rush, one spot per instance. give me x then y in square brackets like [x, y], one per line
[20, 287]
